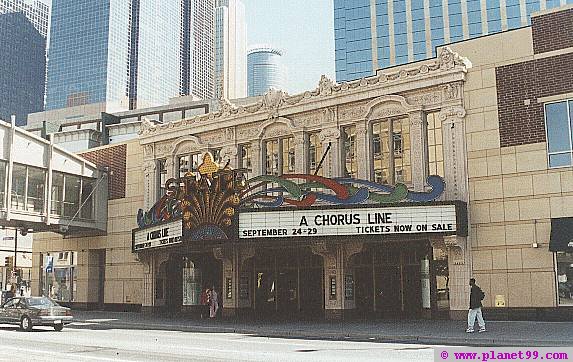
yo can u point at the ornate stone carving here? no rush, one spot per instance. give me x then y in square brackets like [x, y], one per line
[327, 251]
[386, 111]
[272, 100]
[447, 59]
[230, 133]
[222, 253]
[148, 151]
[451, 91]
[329, 115]
[247, 252]
[352, 113]
[325, 86]
[457, 249]
[351, 248]
[425, 98]
[416, 119]
[226, 108]
[308, 119]
[146, 126]
[329, 135]
[228, 153]
[248, 132]
[456, 112]
[276, 130]
[163, 149]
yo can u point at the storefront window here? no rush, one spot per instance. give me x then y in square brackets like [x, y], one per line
[72, 195]
[391, 151]
[189, 163]
[245, 155]
[314, 153]
[442, 275]
[35, 196]
[60, 282]
[18, 196]
[349, 151]
[57, 193]
[87, 198]
[2, 184]
[435, 145]
[565, 278]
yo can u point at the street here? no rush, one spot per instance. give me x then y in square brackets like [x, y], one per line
[92, 341]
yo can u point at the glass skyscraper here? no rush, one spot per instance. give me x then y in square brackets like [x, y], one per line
[373, 34]
[23, 65]
[36, 11]
[126, 53]
[264, 70]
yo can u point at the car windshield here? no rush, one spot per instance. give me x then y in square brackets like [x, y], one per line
[41, 302]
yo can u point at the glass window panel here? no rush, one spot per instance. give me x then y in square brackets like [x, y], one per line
[184, 165]
[161, 176]
[72, 195]
[86, 211]
[314, 153]
[18, 187]
[560, 160]
[57, 193]
[245, 155]
[558, 135]
[381, 151]
[435, 145]
[272, 157]
[401, 148]
[288, 159]
[36, 182]
[349, 150]
[565, 278]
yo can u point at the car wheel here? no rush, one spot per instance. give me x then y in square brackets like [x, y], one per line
[59, 327]
[26, 324]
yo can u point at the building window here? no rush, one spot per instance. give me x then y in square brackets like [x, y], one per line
[349, 151]
[559, 126]
[72, 189]
[161, 176]
[279, 156]
[245, 157]
[189, 163]
[435, 145]
[391, 151]
[314, 154]
[57, 193]
[565, 278]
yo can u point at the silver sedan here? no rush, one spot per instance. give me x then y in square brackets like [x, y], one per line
[28, 312]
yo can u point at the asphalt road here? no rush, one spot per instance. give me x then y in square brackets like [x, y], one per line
[96, 342]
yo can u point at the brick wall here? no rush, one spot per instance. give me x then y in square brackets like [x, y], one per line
[113, 157]
[552, 31]
[518, 83]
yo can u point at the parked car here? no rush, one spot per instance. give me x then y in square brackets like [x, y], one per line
[28, 312]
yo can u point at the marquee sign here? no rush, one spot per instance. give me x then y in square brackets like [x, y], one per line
[158, 236]
[355, 221]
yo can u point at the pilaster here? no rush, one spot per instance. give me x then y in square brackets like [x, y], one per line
[455, 152]
[229, 258]
[418, 149]
[150, 183]
[229, 154]
[363, 150]
[331, 166]
[460, 269]
[301, 152]
[257, 158]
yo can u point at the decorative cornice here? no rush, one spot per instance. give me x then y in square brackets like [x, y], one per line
[273, 100]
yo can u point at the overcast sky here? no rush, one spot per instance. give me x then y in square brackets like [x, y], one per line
[302, 29]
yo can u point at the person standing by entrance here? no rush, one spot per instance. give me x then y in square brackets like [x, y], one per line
[476, 296]
[214, 306]
[204, 301]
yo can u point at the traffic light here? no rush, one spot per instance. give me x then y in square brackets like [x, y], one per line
[9, 262]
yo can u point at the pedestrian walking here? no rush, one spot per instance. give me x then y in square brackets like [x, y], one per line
[214, 303]
[476, 296]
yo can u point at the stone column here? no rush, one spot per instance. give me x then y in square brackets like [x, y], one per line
[229, 154]
[459, 268]
[363, 145]
[245, 253]
[151, 264]
[331, 166]
[418, 147]
[149, 184]
[228, 293]
[350, 248]
[257, 158]
[455, 152]
[301, 152]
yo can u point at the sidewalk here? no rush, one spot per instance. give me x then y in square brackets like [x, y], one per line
[500, 333]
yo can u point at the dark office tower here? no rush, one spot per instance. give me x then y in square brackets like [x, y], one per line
[23, 65]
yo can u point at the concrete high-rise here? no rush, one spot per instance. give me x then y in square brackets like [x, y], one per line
[36, 11]
[230, 50]
[373, 34]
[264, 70]
[128, 53]
[23, 67]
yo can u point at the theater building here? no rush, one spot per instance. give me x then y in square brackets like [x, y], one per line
[378, 197]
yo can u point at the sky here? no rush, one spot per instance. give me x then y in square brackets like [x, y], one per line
[302, 29]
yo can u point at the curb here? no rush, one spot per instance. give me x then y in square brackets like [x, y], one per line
[333, 336]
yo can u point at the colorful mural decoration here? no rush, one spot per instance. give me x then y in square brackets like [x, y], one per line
[208, 200]
[338, 191]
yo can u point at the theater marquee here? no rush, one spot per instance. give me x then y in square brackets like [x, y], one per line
[355, 221]
[161, 235]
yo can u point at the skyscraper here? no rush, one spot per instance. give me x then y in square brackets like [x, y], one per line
[230, 50]
[372, 34]
[36, 11]
[129, 53]
[264, 70]
[23, 68]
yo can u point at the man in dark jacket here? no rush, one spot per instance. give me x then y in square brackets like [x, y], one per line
[476, 296]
